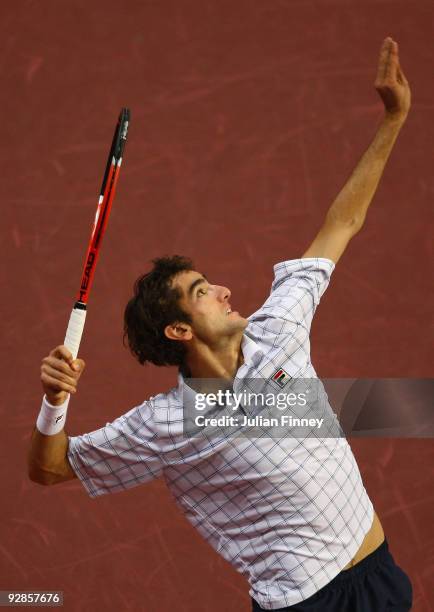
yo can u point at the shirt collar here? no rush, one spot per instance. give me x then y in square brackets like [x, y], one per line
[251, 353]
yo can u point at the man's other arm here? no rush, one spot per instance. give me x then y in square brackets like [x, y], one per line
[47, 457]
[48, 462]
[348, 212]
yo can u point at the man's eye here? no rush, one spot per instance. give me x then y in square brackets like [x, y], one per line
[203, 291]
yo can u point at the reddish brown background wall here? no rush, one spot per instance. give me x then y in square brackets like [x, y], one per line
[247, 118]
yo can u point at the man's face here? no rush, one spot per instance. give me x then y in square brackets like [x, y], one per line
[208, 305]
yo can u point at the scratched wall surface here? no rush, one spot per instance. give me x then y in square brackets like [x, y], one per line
[247, 118]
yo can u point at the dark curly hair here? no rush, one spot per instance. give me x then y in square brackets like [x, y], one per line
[153, 306]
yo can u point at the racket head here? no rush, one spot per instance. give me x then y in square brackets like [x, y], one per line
[118, 143]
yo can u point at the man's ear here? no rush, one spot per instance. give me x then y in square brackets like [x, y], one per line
[178, 331]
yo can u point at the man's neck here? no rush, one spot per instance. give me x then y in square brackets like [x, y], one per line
[222, 363]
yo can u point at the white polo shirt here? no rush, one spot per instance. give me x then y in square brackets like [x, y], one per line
[288, 513]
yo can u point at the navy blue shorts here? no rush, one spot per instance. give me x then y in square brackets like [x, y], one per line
[375, 584]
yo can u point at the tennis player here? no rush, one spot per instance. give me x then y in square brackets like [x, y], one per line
[291, 514]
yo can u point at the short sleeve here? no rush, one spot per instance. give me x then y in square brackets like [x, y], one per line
[119, 456]
[295, 293]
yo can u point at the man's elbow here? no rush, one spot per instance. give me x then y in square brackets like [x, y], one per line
[37, 476]
[43, 477]
[352, 225]
[356, 225]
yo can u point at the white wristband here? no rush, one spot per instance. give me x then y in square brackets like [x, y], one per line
[52, 419]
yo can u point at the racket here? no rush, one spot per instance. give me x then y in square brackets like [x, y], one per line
[108, 188]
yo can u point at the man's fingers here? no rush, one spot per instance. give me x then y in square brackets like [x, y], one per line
[401, 76]
[384, 54]
[58, 364]
[388, 63]
[79, 365]
[63, 353]
[56, 384]
[53, 373]
[60, 372]
[393, 62]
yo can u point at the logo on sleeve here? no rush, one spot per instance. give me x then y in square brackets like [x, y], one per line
[280, 377]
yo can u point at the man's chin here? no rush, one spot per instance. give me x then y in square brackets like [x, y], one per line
[237, 320]
[242, 321]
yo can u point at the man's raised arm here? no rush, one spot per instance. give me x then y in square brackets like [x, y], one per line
[347, 213]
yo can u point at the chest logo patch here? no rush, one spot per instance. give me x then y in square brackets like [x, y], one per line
[280, 377]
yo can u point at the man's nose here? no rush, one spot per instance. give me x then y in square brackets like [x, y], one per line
[224, 293]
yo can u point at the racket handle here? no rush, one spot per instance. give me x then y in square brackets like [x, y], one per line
[52, 419]
[75, 330]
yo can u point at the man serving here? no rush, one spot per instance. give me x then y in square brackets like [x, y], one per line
[291, 514]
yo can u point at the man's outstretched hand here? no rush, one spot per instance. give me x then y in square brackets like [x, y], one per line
[391, 83]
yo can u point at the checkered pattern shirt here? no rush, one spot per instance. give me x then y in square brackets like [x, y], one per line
[288, 513]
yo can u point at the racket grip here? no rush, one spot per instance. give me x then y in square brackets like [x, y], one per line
[75, 330]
